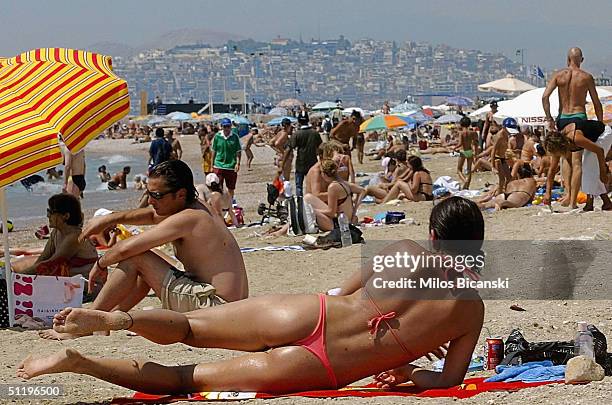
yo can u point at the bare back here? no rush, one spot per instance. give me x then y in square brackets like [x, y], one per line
[573, 84]
[354, 353]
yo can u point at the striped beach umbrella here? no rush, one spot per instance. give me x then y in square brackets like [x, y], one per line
[387, 121]
[49, 92]
[46, 94]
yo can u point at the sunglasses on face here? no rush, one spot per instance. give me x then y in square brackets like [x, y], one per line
[51, 212]
[158, 195]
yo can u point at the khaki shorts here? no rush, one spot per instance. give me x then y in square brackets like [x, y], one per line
[182, 294]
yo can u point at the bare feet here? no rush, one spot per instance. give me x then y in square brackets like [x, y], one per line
[60, 362]
[565, 201]
[72, 323]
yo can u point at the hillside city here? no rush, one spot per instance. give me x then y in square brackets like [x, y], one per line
[363, 72]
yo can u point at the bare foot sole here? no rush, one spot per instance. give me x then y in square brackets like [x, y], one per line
[80, 321]
[60, 362]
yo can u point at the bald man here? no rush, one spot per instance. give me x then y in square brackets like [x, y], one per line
[573, 84]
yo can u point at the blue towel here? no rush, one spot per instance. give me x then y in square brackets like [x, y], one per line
[535, 371]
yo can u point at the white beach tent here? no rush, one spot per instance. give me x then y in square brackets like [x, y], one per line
[324, 106]
[349, 111]
[481, 113]
[508, 84]
[527, 108]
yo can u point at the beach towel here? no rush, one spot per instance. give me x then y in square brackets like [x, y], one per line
[590, 166]
[535, 371]
[469, 388]
[291, 248]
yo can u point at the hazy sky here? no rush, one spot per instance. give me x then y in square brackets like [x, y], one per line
[544, 28]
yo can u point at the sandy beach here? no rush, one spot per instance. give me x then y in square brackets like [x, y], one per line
[316, 271]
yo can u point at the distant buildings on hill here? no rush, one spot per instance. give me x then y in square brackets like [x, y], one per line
[363, 72]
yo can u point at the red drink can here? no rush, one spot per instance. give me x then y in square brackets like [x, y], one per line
[494, 352]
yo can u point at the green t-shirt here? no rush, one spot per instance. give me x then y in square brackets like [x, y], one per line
[226, 150]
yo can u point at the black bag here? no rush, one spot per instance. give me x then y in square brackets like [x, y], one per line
[334, 236]
[4, 309]
[518, 350]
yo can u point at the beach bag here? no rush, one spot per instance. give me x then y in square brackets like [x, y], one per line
[302, 219]
[44, 296]
[4, 310]
[334, 237]
[519, 351]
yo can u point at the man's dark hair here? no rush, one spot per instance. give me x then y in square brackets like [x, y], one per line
[177, 175]
[525, 171]
[67, 204]
[159, 132]
[101, 169]
[127, 169]
[465, 122]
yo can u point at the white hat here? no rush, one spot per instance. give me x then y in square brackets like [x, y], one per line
[101, 212]
[211, 178]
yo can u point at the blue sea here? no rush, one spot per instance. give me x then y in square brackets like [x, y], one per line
[29, 207]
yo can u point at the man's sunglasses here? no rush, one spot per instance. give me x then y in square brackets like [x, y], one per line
[51, 212]
[158, 195]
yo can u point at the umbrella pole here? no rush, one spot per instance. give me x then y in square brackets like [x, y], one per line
[7, 256]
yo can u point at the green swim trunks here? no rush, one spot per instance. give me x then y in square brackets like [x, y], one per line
[468, 153]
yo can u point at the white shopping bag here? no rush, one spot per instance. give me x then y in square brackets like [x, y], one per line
[44, 296]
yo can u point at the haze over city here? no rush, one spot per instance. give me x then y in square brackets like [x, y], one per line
[544, 29]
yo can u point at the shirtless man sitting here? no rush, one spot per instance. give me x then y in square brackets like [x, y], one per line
[307, 342]
[518, 193]
[214, 270]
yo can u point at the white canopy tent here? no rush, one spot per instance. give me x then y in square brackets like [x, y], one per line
[324, 106]
[508, 84]
[527, 108]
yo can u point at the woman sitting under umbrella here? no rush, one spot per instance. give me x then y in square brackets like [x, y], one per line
[63, 254]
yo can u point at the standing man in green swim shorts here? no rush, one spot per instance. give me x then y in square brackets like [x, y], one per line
[467, 145]
[572, 123]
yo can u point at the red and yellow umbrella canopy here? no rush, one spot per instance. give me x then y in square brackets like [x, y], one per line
[49, 92]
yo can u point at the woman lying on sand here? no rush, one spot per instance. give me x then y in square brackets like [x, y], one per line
[303, 342]
[518, 193]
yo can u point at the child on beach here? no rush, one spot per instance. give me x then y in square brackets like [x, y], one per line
[468, 143]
